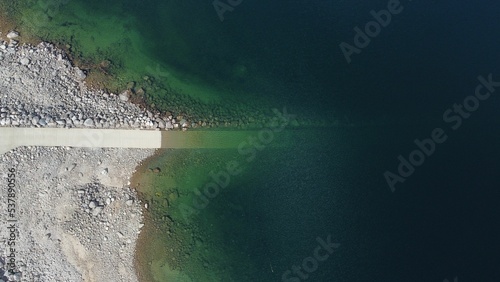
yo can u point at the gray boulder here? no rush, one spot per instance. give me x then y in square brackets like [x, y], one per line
[88, 122]
[12, 35]
[124, 96]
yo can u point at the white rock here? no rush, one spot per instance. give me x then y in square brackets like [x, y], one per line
[169, 125]
[80, 75]
[97, 210]
[25, 61]
[124, 96]
[12, 35]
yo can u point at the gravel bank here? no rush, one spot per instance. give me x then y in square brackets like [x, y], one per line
[76, 217]
[40, 88]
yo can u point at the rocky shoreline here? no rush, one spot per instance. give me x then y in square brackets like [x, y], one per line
[77, 219]
[63, 99]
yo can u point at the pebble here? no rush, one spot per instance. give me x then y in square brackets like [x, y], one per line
[97, 210]
[80, 75]
[124, 96]
[88, 122]
[12, 35]
[25, 61]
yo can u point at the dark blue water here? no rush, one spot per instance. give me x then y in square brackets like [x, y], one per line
[428, 56]
[439, 223]
[442, 221]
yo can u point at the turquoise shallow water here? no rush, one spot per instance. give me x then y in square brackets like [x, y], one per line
[320, 181]
[184, 47]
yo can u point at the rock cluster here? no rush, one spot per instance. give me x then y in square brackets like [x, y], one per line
[45, 90]
[74, 223]
[100, 216]
[77, 218]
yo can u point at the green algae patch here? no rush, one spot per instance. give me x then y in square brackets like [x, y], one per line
[116, 44]
[198, 209]
[193, 68]
[192, 245]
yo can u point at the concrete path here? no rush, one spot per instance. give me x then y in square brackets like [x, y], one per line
[12, 137]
